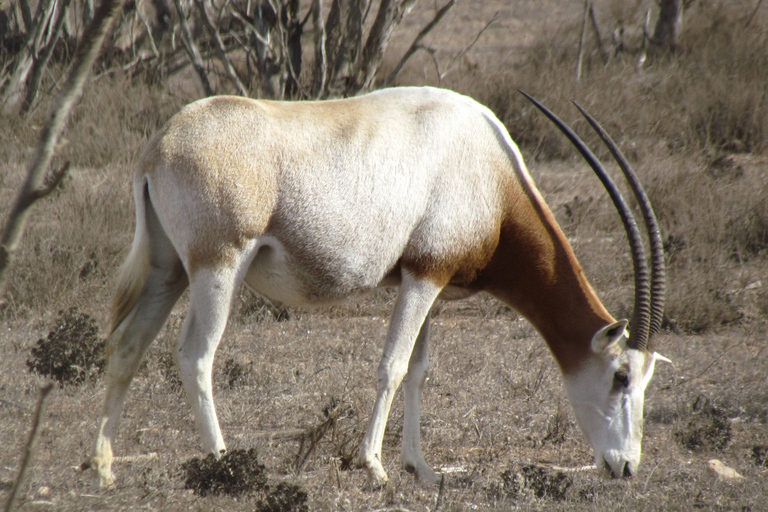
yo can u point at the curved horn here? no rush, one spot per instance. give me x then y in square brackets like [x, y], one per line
[658, 270]
[641, 313]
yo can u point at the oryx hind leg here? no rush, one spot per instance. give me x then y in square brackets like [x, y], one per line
[212, 290]
[165, 282]
[414, 300]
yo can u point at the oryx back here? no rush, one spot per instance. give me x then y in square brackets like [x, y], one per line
[338, 195]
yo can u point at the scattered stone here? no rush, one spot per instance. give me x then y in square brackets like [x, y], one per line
[720, 471]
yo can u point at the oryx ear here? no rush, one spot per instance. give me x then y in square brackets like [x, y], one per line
[610, 336]
[655, 356]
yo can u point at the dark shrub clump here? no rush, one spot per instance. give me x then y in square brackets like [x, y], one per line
[236, 472]
[72, 352]
[707, 429]
[284, 498]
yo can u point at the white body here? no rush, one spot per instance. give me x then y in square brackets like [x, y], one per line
[314, 202]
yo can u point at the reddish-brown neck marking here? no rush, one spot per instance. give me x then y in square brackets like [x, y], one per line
[535, 271]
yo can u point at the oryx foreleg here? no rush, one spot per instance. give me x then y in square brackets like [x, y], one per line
[413, 385]
[412, 306]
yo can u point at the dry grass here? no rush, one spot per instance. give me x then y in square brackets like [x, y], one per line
[695, 124]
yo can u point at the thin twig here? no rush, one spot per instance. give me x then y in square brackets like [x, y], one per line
[29, 448]
[191, 47]
[440, 495]
[605, 54]
[469, 46]
[220, 51]
[417, 42]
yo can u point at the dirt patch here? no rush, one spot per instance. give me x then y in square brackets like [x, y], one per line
[530, 481]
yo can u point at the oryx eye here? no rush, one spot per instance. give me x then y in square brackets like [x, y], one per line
[622, 377]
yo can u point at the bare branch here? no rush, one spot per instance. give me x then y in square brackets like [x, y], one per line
[70, 93]
[264, 38]
[390, 14]
[192, 51]
[417, 42]
[220, 51]
[321, 59]
[469, 46]
[29, 448]
[41, 60]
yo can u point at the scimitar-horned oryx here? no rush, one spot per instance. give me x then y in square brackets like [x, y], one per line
[310, 203]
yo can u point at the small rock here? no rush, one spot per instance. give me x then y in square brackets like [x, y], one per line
[718, 470]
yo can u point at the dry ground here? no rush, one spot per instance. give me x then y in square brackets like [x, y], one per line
[494, 405]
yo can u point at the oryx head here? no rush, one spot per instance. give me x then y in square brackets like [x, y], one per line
[608, 389]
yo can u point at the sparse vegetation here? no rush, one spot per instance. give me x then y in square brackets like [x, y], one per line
[695, 125]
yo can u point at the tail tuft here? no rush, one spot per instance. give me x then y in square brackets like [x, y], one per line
[133, 273]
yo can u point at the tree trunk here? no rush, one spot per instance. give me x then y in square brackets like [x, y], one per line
[666, 35]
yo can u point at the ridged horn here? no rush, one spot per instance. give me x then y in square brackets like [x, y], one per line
[640, 329]
[658, 269]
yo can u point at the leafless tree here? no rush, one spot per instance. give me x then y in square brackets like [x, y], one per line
[42, 31]
[39, 182]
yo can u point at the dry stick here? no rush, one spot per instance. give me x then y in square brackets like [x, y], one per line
[580, 59]
[312, 436]
[605, 54]
[218, 44]
[417, 42]
[192, 51]
[29, 448]
[136, 458]
[34, 187]
[440, 495]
